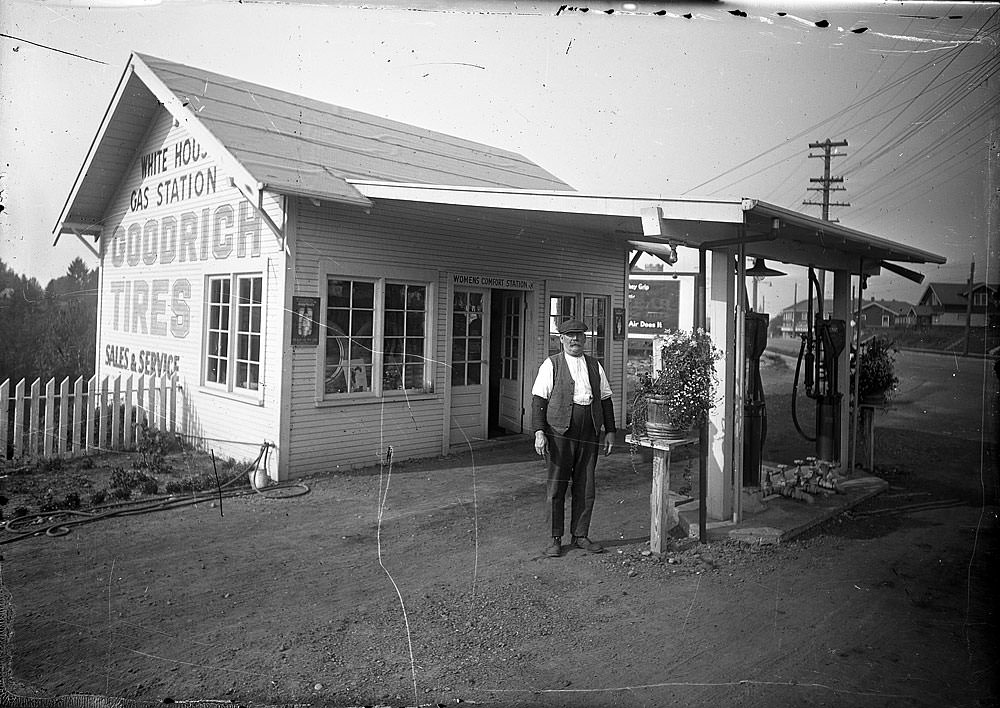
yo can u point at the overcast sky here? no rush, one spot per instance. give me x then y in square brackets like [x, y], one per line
[706, 99]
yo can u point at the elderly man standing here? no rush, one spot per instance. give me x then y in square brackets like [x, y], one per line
[571, 403]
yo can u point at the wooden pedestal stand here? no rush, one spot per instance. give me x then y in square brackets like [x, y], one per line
[662, 513]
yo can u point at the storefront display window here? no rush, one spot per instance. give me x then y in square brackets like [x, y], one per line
[376, 337]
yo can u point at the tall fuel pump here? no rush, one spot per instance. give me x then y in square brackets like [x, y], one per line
[754, 406]
[822, 345]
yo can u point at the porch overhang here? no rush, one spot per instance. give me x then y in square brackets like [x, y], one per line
[764, 230]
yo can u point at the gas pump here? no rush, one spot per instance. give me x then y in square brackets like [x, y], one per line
[754, 408]
[822, 345]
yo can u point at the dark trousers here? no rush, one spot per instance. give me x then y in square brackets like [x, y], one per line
[572, 460]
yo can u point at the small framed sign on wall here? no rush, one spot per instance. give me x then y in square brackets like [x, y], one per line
[618, 324]
[305, 327]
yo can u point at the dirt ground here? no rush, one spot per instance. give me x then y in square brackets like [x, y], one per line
[424, 583]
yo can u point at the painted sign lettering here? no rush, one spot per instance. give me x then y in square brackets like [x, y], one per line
[198, 182]
[142, 362]
[140, 306]
[190, 236]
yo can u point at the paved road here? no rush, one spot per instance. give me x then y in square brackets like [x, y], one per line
[937, 393]
[944, 395]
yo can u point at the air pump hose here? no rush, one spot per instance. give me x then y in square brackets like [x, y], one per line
[795, 386]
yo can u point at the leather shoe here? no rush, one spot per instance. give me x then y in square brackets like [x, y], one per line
[584, 543]
[554, 549]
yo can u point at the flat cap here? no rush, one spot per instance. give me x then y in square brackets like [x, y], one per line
[572, 326]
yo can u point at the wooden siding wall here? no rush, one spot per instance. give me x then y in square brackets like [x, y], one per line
[232, 425]
[442, 240]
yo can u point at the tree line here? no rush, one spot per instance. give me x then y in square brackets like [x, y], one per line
[48, 332]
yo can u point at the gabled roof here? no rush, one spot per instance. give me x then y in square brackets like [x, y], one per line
[896, 307]
[803, 306]
[949, 294]
[991, 288]
[281, 142]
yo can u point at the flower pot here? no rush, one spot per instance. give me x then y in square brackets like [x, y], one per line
[874, 398]
[659, 424]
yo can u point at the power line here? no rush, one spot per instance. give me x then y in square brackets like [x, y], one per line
[52, 49]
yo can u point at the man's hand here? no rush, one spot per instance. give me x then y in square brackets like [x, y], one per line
[541, 444]
[609, 442]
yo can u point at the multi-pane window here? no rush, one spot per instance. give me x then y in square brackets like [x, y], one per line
[233, 343]
[405, 336]
[594, 315]
[467, 338]
[350, 322]
[249, 310]
[376, 336]
[561, 307]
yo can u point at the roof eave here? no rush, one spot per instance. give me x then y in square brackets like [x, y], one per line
[895, 251]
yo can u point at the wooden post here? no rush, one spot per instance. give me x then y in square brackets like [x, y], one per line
[65, 423]
[662, 513]
[50, 413]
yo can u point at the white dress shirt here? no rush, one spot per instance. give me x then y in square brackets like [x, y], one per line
[582, 394]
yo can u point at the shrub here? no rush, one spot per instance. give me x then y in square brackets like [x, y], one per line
[71, 501]
[152, 446]
[121, 493]
[98, 496]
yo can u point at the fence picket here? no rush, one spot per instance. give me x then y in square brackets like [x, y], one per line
[19, 419]
[162, 422]
[33, 427]
[172, 407]
[99, 417]
[91, 412]
[116, 423]
[102, 415]
[140, 412]
[64, 422]
[50, 412]
[4, 411]
[77, 415]
[128, 434]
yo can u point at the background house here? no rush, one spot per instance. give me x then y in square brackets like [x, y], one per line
[793, 320]
[885, 314]
[949, 303]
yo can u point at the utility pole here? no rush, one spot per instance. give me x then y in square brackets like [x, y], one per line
[968, 307]
[826, 180]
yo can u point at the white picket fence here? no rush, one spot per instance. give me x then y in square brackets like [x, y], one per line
[81, 416]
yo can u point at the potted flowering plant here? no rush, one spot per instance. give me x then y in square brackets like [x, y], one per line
[876, 370]
[668, 402]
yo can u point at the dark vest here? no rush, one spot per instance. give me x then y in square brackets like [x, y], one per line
[560, 409]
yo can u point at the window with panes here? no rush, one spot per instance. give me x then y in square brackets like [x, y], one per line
[376, 337]
[467, 338]
[234, 332]
[592, 310]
